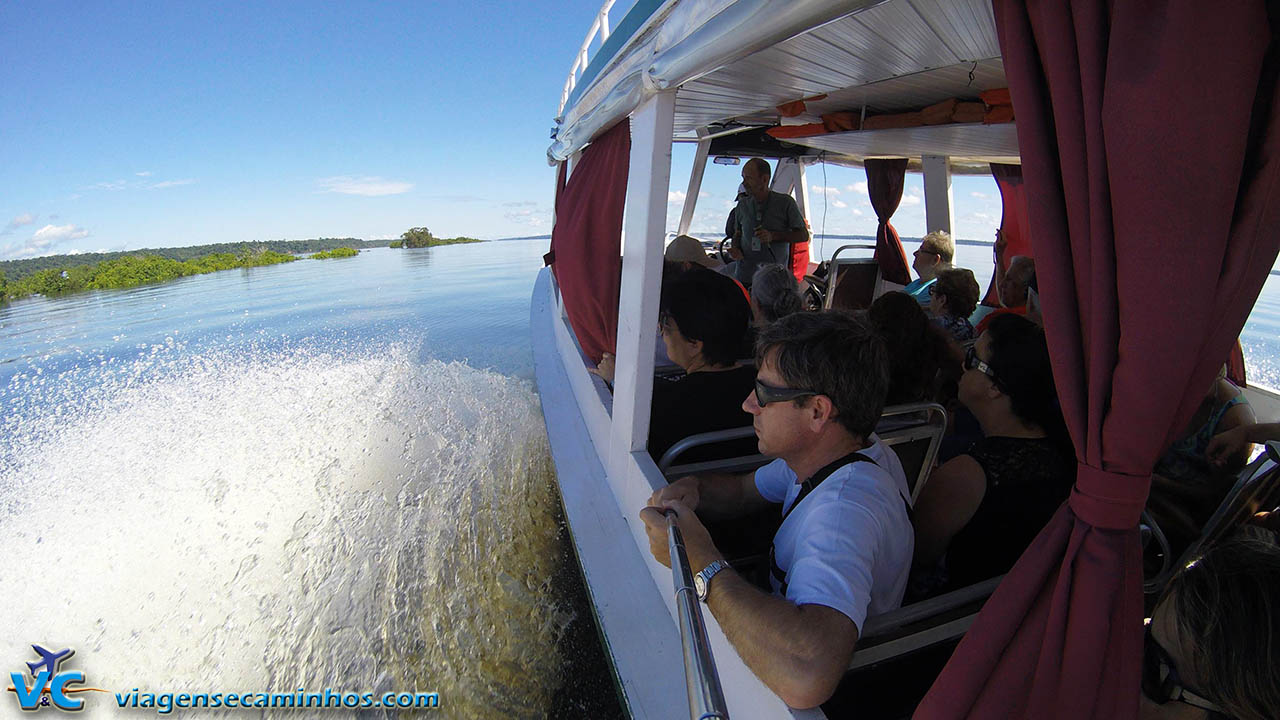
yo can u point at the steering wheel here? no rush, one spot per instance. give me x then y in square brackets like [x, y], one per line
[720, 251]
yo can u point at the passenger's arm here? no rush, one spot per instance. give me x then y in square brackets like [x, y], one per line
[1234, 443]
[716, 496]
[799, 651]
[1239, 415]
[948, 502]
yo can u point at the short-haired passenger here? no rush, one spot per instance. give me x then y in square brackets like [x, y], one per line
[1015, 286]
[934, 255]
[952, 299]
[982, 508]
[766, 222]
[774, 294]
[918, 349]
[703, 320]
[843, 551]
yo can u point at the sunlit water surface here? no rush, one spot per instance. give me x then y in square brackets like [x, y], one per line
[320, 474]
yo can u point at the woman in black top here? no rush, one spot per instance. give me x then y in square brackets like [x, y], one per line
[982, 508]
[704, 319]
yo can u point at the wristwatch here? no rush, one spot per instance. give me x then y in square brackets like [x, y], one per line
[703, 578]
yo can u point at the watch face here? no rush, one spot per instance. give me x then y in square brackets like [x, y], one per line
[700, 587]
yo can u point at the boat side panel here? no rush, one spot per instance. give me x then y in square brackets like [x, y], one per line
[639, 633]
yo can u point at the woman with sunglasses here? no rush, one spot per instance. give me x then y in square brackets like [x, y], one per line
[1213, 642]
[980, 509]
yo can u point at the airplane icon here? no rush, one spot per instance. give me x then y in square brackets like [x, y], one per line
[50, 660]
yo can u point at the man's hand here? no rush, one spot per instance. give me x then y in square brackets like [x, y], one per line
[697, 541]
[1227, 445]
[684, 491]
[765, 236]
[605, 368]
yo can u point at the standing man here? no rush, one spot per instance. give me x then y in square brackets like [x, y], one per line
[767, 222]
[843, 551]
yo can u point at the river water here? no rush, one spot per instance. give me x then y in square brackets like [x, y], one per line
[319, 474]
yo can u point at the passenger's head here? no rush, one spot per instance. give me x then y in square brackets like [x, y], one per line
[955, 293]
[1216, 634]
[1008, 371]
[687, 251]
[704, 318]
[935, 253]
[916, 346]
[774, 293]
[838, 359]
[1020, 276]
[755, 177]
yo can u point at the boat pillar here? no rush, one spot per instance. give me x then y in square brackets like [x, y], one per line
[695, 185]
[938, 212]
[643, 235]
[789, 179]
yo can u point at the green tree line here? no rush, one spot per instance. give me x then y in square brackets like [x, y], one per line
[335, 253]
[15, 270]
[420, 237]
[130, 271]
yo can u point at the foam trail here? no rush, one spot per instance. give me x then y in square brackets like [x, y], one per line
[282, 519]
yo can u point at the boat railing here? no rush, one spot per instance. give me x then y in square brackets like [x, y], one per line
[702, 683]
[599, 27]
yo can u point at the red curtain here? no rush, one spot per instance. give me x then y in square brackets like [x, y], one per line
[1153, 223]
[1013, 221]
[884, 187]
[586, 240]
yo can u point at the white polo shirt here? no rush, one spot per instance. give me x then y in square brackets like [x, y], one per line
[848, 545]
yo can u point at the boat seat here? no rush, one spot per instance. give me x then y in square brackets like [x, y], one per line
[920, 625]
[1257, 488]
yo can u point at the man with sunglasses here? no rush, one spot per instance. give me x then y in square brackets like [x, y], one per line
[843, 550]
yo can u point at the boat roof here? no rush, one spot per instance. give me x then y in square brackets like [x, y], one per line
[733, 62]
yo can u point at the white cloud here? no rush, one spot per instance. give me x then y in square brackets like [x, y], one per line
[23, 219]
[828, 191]
[980, 196]
[858, 187]
[532, 218]
[171, 183]
[839, 204]
[113, 185]
[45, 239]
[909, 200]
[704, 194]
[366, 186]
[144, 173]
[675, 196]
[857, 212]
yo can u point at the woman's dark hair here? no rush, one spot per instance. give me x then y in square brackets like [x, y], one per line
[1020, 362]
[775, 292]
[960, 288]
[917, 347]
[1226, 606]
[709, 307]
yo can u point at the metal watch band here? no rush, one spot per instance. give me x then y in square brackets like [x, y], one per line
[705, 576]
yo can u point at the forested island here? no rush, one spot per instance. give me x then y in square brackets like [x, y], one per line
[421, 237]
[60, 274]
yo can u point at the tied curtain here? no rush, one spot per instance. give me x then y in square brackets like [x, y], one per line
[1014, 227]
[586, 240]
[884, 188]
[1149, 136]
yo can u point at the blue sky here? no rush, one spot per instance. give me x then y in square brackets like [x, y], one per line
[152, 124]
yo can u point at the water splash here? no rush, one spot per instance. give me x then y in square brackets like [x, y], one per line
[277, 519]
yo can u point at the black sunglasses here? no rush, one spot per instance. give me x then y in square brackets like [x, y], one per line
[972, 362]
[766, 394]
[1160, 681]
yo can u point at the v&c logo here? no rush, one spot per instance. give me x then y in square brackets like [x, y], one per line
[49, 684]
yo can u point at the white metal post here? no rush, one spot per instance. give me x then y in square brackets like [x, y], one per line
[695, 186]
[938, 214]
[642, 247]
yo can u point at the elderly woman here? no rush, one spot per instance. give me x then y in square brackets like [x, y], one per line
[774, 294]
[1212, 642]
[703, 320]
[982, 508]
[953, 298]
